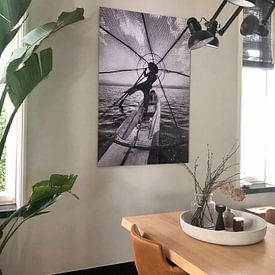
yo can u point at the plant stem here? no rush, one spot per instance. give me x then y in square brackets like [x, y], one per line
[10, 230]
[4, 137]
[3, 244]
[2, 100]
[15, 214]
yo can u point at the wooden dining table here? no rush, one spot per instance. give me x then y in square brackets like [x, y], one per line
[198, 257]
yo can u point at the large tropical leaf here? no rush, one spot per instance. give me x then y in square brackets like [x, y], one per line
[11, 11]
[36, 36]
[57, 180]
[6, 34]
[25, 79]
[13, 63]
[42, 197]
[16, 77]
[25, 70]
[47, 192]
[63, 182]
[67, 18]
[21, 82]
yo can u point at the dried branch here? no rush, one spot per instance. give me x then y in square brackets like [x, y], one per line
[212, 182]
[197, 184]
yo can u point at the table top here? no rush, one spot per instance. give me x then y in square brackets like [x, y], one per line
[197, 257]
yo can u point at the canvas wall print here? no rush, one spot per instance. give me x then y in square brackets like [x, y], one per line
[144, 89]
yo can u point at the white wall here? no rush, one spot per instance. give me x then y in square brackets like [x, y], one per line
[62, 138]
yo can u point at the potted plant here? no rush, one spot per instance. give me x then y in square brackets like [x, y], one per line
[26, 68]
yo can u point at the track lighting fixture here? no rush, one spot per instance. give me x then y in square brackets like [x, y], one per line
[208, 37]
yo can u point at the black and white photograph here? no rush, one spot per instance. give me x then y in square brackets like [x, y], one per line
[144, 89]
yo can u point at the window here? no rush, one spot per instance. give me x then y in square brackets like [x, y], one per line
[258, 126]
[11, 169]
[257, 107]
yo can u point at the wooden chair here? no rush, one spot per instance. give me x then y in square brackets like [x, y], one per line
[149, 257]
[270, 216]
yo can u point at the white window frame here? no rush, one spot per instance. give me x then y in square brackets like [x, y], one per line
[15, 155]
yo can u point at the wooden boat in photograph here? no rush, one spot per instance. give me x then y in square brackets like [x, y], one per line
[135, 137]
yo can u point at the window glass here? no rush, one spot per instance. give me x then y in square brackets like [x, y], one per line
[9, 161]
[257, 126]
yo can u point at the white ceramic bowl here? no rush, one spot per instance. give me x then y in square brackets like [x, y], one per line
[254, 230]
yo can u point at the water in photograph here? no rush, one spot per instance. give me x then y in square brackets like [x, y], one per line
[170, 134]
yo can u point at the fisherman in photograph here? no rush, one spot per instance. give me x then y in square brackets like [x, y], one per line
[145, 86]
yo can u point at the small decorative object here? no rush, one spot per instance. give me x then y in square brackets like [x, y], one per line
[228, 218]
[238, 224]
[209, 213]
[220, 208]
[213, 181]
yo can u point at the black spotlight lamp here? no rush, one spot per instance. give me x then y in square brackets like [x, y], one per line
[213, 30]
[251, 24]
[212, 25]
[243, 3]
[199, 38]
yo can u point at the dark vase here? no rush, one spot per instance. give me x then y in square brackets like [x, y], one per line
[220, 208]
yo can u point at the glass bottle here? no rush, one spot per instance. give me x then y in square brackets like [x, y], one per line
[228, 218]
[203, 211]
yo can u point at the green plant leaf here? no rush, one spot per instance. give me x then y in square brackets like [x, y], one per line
[7, 34]
[41, 183]
[67, 18]
[21, 82]
[42, 192]
[62, 182]
[37, 35]
[46, 58]
[24, 71]
[47, 192]
[12, 65]
[41, 198]
[39, 205]
[11, 11]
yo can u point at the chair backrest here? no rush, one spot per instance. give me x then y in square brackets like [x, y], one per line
[149, 257]
[270, 216]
